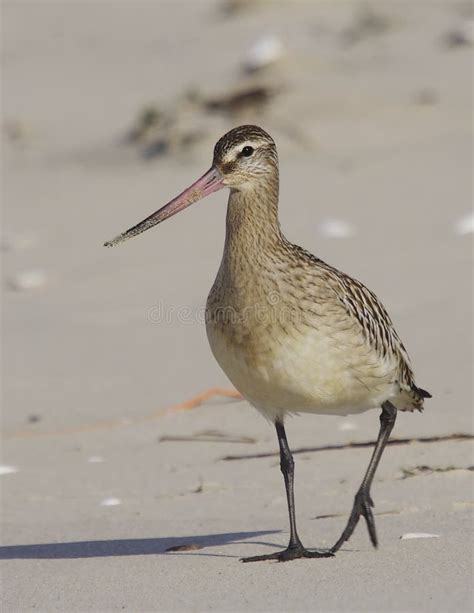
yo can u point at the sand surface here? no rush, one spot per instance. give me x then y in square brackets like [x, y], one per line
[374, 129]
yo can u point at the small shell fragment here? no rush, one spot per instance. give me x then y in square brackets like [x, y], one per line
[347, 426]
[95, 459]
[8, 470]
[27, 280]
[418, 535]
[265, 52]
[336, 228]
[465, 225]
[110, 502]
[461, 35]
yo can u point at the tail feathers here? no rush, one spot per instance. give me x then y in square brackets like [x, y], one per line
[412, 398]
[423, 393]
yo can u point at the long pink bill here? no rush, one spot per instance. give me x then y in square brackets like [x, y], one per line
[210, 182]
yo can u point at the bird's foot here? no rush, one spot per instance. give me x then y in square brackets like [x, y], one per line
[363, 504]
[291, 553]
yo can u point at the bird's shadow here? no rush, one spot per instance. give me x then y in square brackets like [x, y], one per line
[127, 547]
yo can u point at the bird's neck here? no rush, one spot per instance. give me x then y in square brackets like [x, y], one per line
[252, 226]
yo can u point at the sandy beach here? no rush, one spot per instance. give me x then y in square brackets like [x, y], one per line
[103, 471]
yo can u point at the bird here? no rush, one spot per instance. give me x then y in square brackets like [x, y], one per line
[292, 333]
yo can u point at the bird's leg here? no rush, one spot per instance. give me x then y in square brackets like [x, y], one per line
[287, 467]
[363, 501]
[295, 547]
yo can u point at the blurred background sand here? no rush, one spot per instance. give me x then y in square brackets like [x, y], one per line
[108, 110]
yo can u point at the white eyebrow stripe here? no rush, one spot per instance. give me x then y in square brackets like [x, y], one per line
[232, 153]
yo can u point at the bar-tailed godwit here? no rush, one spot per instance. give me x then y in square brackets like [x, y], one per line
[292, 333]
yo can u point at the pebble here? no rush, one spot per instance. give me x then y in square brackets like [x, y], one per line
[266, 51]
[461, 35]
[27, 280]
[8, 470]
[336, 228]
[110, 502]
[95, 459]
[426, 97]
[465, 225]
[346, 426]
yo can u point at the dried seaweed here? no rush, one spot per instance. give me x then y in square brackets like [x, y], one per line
[355, 445]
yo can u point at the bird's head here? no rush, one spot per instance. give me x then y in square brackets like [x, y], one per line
[244, 157]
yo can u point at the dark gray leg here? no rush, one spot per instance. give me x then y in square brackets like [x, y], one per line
[295, 548]
[287, 467]
[363, 501]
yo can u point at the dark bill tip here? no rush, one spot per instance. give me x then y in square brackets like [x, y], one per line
[210, 182]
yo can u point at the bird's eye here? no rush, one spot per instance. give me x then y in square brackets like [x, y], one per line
[247, 151]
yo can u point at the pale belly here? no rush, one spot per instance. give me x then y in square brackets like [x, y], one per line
[303, 370]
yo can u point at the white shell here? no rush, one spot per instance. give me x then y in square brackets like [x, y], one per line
[465, 225]
[418, 535]
[95, 459]
[267, 50]
[28, 279]
[8, 470]
[336, 228]
[110, 502]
